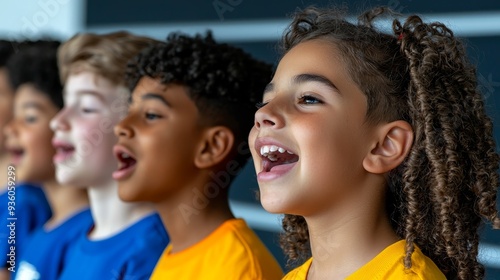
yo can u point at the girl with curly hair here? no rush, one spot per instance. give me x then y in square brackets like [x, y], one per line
[378, 149]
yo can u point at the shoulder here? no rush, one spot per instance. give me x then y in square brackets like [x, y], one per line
[144, 242]
[300, 272]
[243, 247]
[423, 267]
[149, 233]
[389, 264]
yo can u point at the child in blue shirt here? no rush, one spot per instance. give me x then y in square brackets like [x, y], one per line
[34, 77]
[126, 239]
[30, 201]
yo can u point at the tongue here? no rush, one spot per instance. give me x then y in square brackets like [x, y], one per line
[281, 162]
[277, 167]
[127, 162]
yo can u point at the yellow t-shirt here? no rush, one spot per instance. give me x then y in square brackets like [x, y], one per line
[386, 265]
[232, 251]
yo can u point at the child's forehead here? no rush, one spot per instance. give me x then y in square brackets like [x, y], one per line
[29, 97]
[90, 83]
[149, 85]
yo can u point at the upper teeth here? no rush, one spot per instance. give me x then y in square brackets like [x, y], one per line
[266, 149]
[125, 155]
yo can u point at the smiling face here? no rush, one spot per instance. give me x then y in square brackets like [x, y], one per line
[84, 136]
[157, 142]
[29, 135]
[310, 137]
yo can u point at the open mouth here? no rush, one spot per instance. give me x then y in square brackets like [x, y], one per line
[273, 156]
[16, 155]
[126, 163]
[63, 151]
[125, 160]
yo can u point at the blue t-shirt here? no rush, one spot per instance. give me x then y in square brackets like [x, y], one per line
[130, 254]
[31, 211]
[45, 251]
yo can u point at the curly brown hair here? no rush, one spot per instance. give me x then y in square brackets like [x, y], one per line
[446, 188]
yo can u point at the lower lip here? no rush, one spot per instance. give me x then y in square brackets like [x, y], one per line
[275, 172]
[16, 159]
[124, 173]
[61, 157]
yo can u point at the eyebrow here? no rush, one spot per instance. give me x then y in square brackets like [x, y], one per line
[155, 96]
[32, 104]
[91, 92]
[305, 78]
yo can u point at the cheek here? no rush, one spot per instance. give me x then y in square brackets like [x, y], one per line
[95, 138]
[5, 115]
[251, 143]
[39, 143]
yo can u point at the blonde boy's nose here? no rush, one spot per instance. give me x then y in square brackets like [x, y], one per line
[57, 122]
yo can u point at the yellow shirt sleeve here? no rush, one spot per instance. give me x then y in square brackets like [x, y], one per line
[232, 251]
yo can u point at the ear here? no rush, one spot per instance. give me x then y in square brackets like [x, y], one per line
[216, 143]
[393, 143]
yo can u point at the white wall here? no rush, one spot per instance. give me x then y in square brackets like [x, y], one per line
[32, 19]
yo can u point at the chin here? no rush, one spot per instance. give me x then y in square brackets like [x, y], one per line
[65, 177]
[126, 195]
[272, 204]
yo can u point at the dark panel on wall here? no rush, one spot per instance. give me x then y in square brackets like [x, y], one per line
[102, 12]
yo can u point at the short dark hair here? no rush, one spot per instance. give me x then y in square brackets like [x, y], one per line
[6, 50]
[36, 64]
[224, 82]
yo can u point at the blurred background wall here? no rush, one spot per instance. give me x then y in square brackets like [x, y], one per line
[256, 25]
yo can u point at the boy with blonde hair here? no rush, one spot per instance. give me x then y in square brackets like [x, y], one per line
[126, 238]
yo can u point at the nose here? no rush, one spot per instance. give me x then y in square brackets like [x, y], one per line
[269, 116]
[123, 128]
[59, 121]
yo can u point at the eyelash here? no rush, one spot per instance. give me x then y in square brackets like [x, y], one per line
[88, 111]
[260, 104]
[30, 119]
[306, 99]
[152, 116]
[303, 99]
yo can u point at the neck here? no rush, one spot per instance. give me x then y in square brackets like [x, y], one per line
[112, 215]
[64, 201]
[349, 236]
[190, 216]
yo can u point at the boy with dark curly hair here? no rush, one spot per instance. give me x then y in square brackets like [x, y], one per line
[181, 145]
